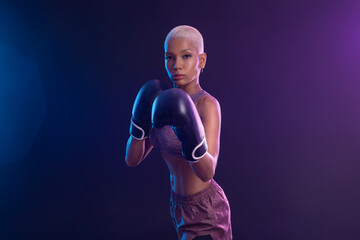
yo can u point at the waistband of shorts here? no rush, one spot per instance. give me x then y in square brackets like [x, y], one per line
[196, 197]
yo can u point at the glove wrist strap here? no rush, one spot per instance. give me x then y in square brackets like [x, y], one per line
[136, 131]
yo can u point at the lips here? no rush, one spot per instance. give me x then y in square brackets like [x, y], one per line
[178, 76]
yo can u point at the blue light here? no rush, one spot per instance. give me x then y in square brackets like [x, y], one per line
[22, 104]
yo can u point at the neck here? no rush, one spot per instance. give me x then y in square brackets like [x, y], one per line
[191, 88]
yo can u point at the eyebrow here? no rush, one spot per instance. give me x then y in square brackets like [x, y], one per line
[188, 49]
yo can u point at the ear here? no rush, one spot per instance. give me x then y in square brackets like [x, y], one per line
[202, 62]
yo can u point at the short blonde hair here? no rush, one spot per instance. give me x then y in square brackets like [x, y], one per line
[189, 33]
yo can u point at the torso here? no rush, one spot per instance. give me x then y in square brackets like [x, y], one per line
[183, 180]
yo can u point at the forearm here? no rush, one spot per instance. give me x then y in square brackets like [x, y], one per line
[134, 151]
[205, 167]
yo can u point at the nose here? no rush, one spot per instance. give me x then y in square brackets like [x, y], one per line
[177, 65]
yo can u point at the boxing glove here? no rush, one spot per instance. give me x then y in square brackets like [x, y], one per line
[174, 107]
[141, 113]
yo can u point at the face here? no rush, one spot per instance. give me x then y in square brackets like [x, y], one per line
[183, 63]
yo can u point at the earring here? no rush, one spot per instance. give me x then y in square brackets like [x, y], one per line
[202, 70]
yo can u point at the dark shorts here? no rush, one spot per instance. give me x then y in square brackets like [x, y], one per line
[204, 213]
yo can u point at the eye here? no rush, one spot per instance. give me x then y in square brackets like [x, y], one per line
[168, 58]
[186, 56]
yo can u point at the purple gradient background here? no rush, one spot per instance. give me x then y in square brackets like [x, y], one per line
[287, 76]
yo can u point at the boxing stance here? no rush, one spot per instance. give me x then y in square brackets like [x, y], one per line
[183, 122]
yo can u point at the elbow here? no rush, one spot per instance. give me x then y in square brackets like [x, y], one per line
[207, 177]
[204, 169]
[131, 163]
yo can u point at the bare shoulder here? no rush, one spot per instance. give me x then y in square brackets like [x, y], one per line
[208, 106]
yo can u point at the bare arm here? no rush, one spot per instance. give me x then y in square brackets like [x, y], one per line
[210, 114]
[136, 151]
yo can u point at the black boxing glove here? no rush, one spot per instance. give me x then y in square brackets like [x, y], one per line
[141, 113]
[174, 107]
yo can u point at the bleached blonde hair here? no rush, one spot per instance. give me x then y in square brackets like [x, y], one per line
[189, 33]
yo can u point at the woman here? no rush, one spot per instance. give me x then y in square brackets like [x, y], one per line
[198, 205]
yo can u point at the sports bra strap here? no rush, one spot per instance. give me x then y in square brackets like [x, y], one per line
[198, 95]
